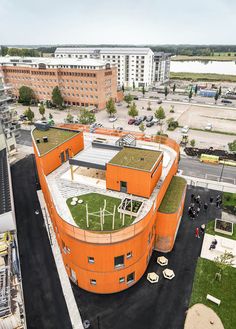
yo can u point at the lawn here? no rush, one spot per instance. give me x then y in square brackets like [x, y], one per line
[95, 201]
[210, 230]
[205, 283]
[224, 57]
[173, 196]
[55, 138]
[229, 199]
[202, 76]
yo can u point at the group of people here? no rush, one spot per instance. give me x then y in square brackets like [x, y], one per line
[195, 206]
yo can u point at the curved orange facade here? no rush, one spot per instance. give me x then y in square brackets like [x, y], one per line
[89, 256]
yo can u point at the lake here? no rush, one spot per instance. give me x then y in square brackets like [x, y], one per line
[218, 67]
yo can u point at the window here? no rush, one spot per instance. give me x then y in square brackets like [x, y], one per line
[93, 282]
[121, 280]
[91, 260]
[129, 255]
[119, 261]
[130, 278]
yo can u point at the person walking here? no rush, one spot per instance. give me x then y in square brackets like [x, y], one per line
[202, 228]
[197, 233]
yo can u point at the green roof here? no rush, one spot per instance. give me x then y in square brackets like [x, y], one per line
[173, 196]
[56, 137]
[141, 159]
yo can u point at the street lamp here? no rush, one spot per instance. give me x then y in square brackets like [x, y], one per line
[221, 174]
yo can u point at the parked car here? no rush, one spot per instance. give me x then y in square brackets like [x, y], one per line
[143, 118]
[119, 128]
[112, 119]
[150, 124]
[95, 110]
[136, 98]
[156, 120]
[131, 121]
[226, 101]
[96, 125]
[149, 118]
[208, 126]
[185, 129]
[159, 101]
[23, 117]
[119, 104]
[138, 122]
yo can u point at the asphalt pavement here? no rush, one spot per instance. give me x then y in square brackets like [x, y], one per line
[153, 306]
[44, 301]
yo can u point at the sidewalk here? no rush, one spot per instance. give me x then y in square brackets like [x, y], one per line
[74, 314]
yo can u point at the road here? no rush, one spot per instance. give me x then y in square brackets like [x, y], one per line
[195, 168]
[44, 301]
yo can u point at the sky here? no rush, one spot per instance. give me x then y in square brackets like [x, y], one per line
[29, 22]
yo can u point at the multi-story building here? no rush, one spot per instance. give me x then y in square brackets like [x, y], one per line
[134, 65]
[12, 313]
[161, 67]
[111, 201]
[86, 82]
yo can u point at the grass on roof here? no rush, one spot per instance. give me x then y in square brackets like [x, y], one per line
[205, 283]
[55, 138]
[142, 159]
[95, 201]
[173, 196]
[210, 229]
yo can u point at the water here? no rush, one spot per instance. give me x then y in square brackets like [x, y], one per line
[228, 68]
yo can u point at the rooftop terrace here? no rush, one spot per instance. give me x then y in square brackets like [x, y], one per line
[136, 158]
[55, 138]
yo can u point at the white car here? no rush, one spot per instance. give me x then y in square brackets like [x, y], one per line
[112, 119]
[208, 126]
[185, 129]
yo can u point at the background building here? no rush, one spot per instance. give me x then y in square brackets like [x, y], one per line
[86, 82]
[134, 65]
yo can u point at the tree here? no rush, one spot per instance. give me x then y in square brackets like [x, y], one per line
[143, 91]
[133, 85]
[128, 99]
[196, 90]
[123, 88]
[174, 88]
[222, 262]
[172, 109]
[220, 91]
[172, 124]
[190, 95]
[29, 114]
[50, 116]
[192, 142]
[69, 118]
[4, 50]
[42, 110]
[160, 113]
[57, 97]
[26, 95]
[166, 92]
[216, 97]
[142, 127]
[232, 146]
[110, 106]
[86, 117]
[149, 106]
[133, 112]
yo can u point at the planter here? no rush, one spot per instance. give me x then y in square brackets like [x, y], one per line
[223, 227]
[126, 205]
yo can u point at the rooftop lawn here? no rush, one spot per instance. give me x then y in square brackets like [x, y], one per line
[95, 201]
[173, 196]
[55, 138]
[229, 199]
[205, 283]
[210, 230]
[136, 158]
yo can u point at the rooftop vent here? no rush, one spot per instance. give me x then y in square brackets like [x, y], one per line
[45, 139]
[42, 125]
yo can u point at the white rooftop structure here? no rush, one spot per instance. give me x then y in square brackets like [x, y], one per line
[103, 50]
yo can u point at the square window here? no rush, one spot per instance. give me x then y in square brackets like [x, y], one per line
[93, 282]
[130, 278]
[121, 280]
[129, 255]
[91, 260]
[119, 261]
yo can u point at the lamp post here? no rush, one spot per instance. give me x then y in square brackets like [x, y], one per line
[222, 170]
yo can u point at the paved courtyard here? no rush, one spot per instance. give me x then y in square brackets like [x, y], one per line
[159, 306]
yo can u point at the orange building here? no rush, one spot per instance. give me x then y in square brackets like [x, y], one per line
[85, 82]
[110, 201]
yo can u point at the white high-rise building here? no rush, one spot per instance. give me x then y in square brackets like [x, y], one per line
[135, 66]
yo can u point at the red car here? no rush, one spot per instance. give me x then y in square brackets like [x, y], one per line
[131, 121]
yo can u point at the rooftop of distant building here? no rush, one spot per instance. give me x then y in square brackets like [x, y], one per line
[103, 50]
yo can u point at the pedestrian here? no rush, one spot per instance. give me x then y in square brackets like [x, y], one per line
[192, 197]
[197, 233]
[211, 199]
[205, 206]
[202, 228]
[198, 211]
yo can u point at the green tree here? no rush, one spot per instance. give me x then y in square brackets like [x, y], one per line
[160, 113]
[133, 85]
[143, 91]
[69, 118]
[123, 88]
[26, 95]
[220, 91]
[57, 98]
[86, 117]
[128, 99]
[172, 109]
[232, 146]
[50, 116]
[149, 106]
[216, 97]
[29, 114]
[142, 127]
[190, 95]
[4, 50]
[192, 142]
[166, 91]
[174, 88]
[222, 262]
[110, 107]
[42, 110]
[172, 124]
[133, 112]
[196, 90]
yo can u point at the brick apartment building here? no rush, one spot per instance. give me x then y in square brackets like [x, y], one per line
[86, 82]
